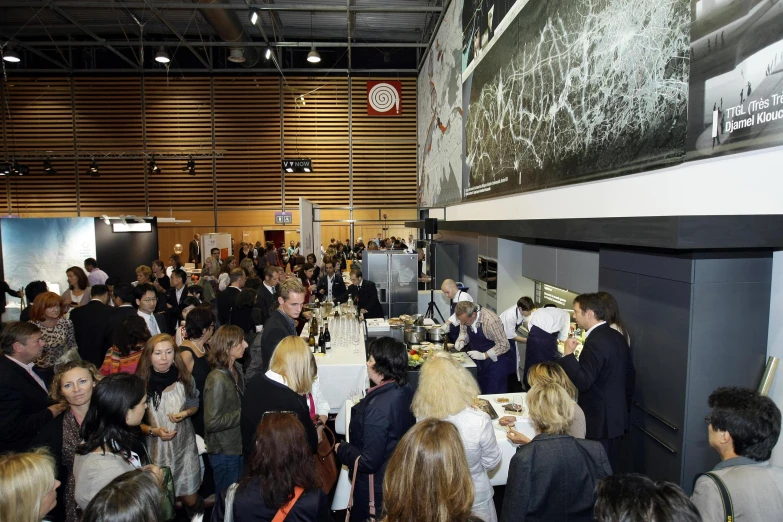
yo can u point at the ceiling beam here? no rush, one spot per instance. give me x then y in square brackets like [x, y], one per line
[188, 6]
[36, 52]
[94, 36]
[120, 43]
[233, 70]
[433, 35]
[173, 29]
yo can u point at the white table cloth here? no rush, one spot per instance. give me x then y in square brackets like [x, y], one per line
[340, 371]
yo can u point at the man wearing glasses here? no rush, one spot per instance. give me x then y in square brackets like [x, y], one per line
[146, 301]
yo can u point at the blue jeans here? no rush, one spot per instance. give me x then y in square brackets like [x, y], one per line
[227, 469]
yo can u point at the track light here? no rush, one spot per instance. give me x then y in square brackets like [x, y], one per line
[268, 53]
[190, 167]
[20, 170]
[47, 166]
[162, 56]
[301, 99]
[313, 56]
[93, 170]
[9, 55]
[289, 169]
[5, 169]
[254, 16]
[105, 219]
[154, 166]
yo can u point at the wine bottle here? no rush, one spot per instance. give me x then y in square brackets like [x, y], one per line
[327, 338]
[311, 341]
[321, 341]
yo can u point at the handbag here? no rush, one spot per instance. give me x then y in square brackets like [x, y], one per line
[228, 512]
[728, 506]
[167, 507]
[325, 459]
[372, 494]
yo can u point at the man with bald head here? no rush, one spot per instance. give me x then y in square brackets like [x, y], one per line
[450, 290]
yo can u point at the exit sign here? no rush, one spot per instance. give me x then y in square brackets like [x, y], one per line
[284, 218]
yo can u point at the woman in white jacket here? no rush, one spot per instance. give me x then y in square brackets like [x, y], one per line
[448, 391]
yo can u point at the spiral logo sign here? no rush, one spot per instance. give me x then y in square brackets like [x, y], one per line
[384, 98]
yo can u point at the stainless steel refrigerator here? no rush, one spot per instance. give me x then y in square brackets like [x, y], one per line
[395, 275]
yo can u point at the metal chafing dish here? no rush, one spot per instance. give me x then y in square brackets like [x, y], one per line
[415, 334]
[437, 334]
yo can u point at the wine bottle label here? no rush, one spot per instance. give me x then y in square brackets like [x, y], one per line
[328, 345]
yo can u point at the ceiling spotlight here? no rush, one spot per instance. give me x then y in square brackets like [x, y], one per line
[313, 56]
[105, 219]
[306, 169]
[289, 169]
[9, 55]
[5, 169]
[268, 53]
[154, 166]
[190, 167]
[237, 55]
[301, 98]
[47, 166]
[162, 56]
[254, 16]
[20, 170]
[93, 170]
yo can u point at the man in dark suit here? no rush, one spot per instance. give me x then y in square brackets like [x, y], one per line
[24, 404]
[281, 324]
[123, 307]
[331, 285]
[177, 291]
[194, 250]
[364, 295]
[266, 296]
[91, 325]
[146, 302]
[603, 374]
[227, 298]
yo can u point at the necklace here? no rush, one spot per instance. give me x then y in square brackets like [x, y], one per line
[191, 344]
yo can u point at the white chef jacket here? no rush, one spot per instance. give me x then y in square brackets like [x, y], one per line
[552, 320]
[511, 319]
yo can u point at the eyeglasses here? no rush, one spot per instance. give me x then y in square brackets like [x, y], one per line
[707, 420]
[277, 411]
[150, 299]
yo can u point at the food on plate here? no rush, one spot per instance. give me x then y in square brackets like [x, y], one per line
[502, 400]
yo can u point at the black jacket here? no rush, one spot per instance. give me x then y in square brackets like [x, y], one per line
[338, 287]
[605, 378]
[23, 407]
[378, 423]
[119, 315]
[171, 298]
[263, 395]
[193, 252]
[312, 506]
[276, 328]
[225, 303]
[554, 477]
[91, 327]
[51, 437]
[365, 297]
[266, 302]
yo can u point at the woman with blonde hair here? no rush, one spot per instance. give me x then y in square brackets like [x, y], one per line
[73, 385]
[209, 278]
[28, 489]
[428, 477]
[223, 391]
[550, 372]
[447, 391]
[281, 388]
[555, 475]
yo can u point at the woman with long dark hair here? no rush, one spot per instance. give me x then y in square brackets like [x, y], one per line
[135, 495]
[129, 340]
[78, 292]
[111, 444]
[281, 475]
[613, 317]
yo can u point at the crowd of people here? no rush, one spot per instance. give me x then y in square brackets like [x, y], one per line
[123, 401]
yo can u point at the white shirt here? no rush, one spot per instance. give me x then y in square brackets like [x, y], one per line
[152, 324]
[461, 296]
[329, 282]
[97, 277]
[599, 323]
[551, 320]
[276, 377]
[511, 320]
[321, 404]
[179, 294]
[271, 289]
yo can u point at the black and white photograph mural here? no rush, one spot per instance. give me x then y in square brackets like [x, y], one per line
[573, 91]
[736, 79]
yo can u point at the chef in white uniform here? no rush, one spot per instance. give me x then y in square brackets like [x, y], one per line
[512, 319]
[449, 287]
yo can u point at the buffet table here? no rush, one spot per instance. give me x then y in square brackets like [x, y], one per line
[340, 372]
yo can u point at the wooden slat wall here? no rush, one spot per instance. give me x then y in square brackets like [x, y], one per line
[247, 127]
[317, 130]
[109, 117]
[384, 149]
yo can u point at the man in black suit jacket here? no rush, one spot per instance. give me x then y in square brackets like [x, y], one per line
[364, 294]
[194, 250]
[91, 325]
[603, 374]
[146, 302]
[123, 307]
[266, 296]
[24, 399]
[227, 298]
[281, 324]
[330, 279]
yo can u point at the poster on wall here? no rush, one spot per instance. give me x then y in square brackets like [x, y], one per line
[440, 123]
[575, 91]
[736, 78]
[43, 249]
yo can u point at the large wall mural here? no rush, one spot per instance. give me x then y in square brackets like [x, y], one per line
[557, 92]
[440, 115]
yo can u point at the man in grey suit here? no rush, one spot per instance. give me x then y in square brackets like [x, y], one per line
[743, 428]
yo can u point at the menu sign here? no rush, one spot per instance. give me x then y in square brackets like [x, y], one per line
[549, 294]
